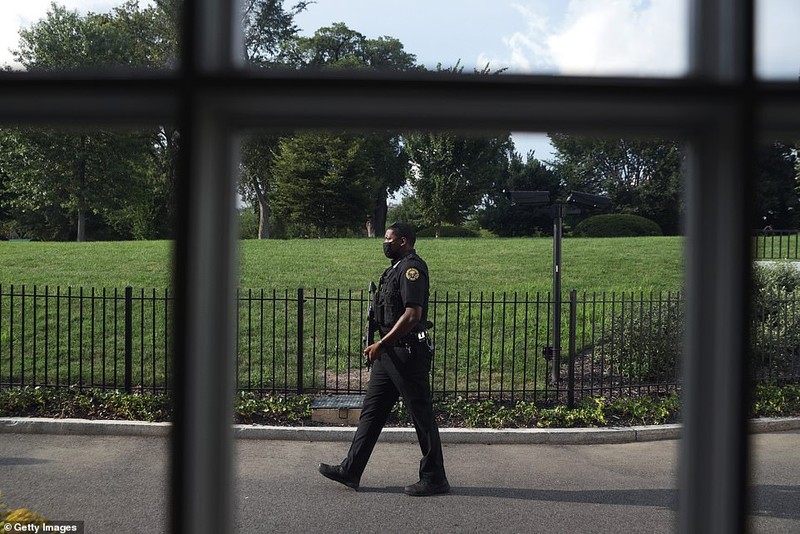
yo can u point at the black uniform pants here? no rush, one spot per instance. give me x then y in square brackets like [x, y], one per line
[399, 372]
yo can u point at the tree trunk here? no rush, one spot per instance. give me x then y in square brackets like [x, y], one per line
[263, 221]
[379, 211]
[263, 212]
[82, 191]
[438, 230]
[81, 226]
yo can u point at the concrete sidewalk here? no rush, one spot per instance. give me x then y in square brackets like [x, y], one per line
[522, 436]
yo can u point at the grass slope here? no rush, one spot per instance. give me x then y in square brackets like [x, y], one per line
[521, 265]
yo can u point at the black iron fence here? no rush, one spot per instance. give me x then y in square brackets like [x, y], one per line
[777, 244]
[487, 345]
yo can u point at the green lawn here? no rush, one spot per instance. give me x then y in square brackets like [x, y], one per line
[489, 340]
[521, 265]
[490, 308]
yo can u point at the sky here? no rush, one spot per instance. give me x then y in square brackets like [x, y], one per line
[552, 37]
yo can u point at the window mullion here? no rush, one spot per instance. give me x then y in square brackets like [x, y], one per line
[713, 467]
[205, 274]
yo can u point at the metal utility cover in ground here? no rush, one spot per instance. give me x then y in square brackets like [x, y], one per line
[337, 409]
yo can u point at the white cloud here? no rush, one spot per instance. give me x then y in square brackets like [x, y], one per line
[601, 37]
[623, 37]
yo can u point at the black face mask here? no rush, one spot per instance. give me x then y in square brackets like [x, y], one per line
[387, 250]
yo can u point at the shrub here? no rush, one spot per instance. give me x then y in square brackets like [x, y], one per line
[768, 401]
[777, 276]
[248, 223]
[645, 410]
[89, 403]
[644, 345]
[590, 412]
[448, 231]
[490, 414]
[616, 225]
[271, 410]
[776, 323]
[774, 401]
[96, 404]
[15, 520]
[776, 338]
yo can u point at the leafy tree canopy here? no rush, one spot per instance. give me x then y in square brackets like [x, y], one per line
[777, 187]
[499, 216]
[322, 182]
[111, 184]
[451, 173]
[337, 46]
[128, 36]
[641, 176]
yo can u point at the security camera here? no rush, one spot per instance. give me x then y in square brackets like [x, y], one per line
[528, 197]
[587, 200]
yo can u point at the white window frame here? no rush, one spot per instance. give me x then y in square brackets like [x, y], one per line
[718, 108]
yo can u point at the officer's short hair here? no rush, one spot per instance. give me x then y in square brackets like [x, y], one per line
[402, 229]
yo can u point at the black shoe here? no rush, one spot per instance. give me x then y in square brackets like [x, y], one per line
[335, 472]
[426, 487]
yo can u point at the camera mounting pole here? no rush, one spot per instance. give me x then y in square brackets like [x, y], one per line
[557, 210]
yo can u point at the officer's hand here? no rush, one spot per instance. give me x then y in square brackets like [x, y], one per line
[373, 352]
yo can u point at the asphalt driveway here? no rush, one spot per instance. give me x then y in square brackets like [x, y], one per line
[120, 484]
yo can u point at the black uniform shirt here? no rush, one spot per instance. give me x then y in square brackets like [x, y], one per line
[404, 284]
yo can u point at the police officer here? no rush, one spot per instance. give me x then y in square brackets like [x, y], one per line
[401, 366]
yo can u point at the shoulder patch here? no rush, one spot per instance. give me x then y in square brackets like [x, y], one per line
[412, 274]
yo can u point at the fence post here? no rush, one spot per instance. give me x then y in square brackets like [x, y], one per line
[558, 212]
[573, 306]
[300, 301]
[128, 339]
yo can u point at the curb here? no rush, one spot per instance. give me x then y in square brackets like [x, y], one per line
[521, 436]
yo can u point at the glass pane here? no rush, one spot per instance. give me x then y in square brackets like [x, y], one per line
[86, 216]
[775, 358]
[95, 34]
[303, 306]
[579, 37]
[86, 317]
[777, 39]
[88, 184]
[322, 200]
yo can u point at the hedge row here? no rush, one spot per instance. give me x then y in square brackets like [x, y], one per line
[617, 225]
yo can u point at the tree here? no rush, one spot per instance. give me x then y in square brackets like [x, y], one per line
[101, 174]
[256, 179]
[776, 187]
[641, 176]
[388, 167]
[269, 34]
[452, 173]
[331, 47]
[407, 211]
[269, 31]
[123, 180]
[63, 40]
[497, 214]
[337, 46]
[322, 182]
